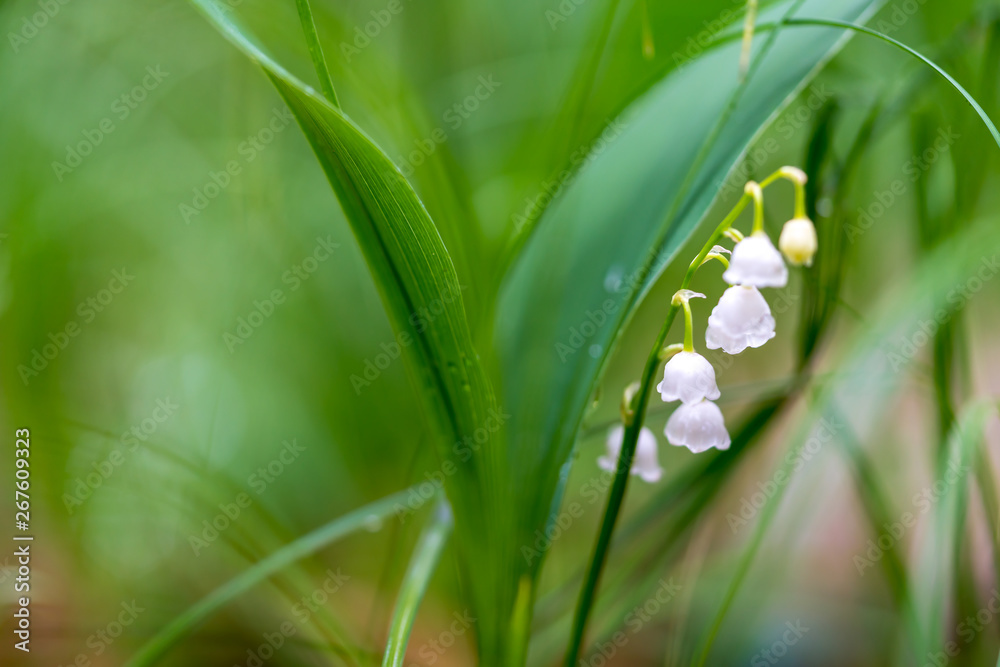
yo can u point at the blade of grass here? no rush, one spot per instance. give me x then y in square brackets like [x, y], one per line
[876, 508]
[940, 550]
[418, 575]
[833, 23]
[308, 544]
[316, 51]
[991, 501]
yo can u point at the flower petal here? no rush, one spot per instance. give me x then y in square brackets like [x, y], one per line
[757, 263]
[741, 319]
[688, 377]
[645, 463]
[698, 426]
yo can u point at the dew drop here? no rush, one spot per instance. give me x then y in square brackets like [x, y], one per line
[824, 207]
[595, 350]
[613, 279]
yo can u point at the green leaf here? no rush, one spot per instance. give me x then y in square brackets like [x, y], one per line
[599, 247]
[419, 286]
[308, 544]
[418, 575]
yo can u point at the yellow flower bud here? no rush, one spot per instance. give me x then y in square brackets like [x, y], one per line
[798, 241]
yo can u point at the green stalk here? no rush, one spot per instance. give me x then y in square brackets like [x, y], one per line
[688, 327]
[631, 438]
[316, 51]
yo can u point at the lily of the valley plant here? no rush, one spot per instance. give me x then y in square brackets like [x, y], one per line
[742, 319]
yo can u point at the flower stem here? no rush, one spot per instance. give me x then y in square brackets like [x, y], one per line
[630, 438]
[688, 327]
[757, 192]
[796, 178]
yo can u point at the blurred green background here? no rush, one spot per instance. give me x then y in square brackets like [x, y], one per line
[167, 232]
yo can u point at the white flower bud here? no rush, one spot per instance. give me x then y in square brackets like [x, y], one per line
[798, 241]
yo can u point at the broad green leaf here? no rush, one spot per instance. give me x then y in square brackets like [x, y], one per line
[422, 294]
[598, 249]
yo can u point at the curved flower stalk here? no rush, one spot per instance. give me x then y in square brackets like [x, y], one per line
[741, 319]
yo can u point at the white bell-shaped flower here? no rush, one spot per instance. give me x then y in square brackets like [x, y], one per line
[741, 319]
[798, 241]
[698, 426]
[756, 262]
[645, 464]
[688, 377]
